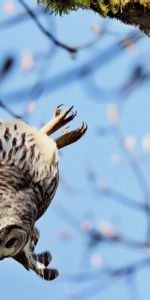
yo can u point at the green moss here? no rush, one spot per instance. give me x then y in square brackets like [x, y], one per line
[65, 6]
[104, 7]
[129, 11]
[145, 30]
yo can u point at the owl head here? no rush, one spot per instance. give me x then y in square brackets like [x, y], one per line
[16, 224]
[13, 239]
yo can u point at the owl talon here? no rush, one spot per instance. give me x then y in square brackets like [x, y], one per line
[59, 120]
[57, 111]
[70, 137]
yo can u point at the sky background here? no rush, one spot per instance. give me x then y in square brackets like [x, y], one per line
[98, 163]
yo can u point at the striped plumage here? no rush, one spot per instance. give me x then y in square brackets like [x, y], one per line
[28, 181]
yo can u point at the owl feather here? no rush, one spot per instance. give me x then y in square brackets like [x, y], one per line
[29, 176]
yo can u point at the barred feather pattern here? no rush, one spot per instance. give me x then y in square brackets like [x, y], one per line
[28, 181]
[28, 166]
[39, 263]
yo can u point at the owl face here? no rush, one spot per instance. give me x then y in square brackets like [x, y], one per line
[12, 240]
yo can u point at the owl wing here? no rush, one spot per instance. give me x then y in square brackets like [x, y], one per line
[36, 262]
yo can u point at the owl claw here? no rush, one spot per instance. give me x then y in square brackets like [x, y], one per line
[57, 111]
[70, 137]
[59, 120]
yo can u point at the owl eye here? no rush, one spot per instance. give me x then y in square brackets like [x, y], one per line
[10, 243]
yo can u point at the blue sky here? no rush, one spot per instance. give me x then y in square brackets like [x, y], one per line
[94, 152]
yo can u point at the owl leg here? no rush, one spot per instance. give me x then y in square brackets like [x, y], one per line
[59, 120]
[70, 137]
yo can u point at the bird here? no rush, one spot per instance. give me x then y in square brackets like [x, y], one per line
[29, 176]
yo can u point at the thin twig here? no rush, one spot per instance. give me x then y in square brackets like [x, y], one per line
[79, 72]
[19, 18]
[44, 30]
[139, 175]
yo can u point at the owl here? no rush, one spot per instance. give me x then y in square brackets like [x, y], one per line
[29, 176]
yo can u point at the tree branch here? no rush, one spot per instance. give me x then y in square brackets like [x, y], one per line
[134, 12]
